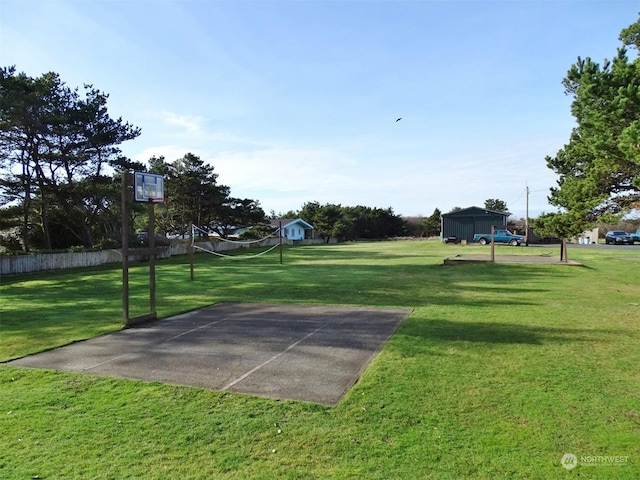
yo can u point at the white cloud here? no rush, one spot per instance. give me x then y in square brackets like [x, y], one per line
[169, 152]
[193, 124]
[285, 169]
[284, 177]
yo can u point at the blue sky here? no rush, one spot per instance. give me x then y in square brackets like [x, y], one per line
[297, 101]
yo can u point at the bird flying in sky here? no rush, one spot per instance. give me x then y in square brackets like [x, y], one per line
[399, 119]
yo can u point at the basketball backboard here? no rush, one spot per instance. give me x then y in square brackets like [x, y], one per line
[149, 187]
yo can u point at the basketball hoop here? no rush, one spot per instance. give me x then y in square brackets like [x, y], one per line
[149, 187]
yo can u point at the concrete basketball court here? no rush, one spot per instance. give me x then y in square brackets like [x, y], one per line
[309, 353]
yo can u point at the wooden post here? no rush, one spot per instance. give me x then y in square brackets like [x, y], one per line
[152, 259]
[493, 244]
[191, 253]
[526, 219]
[151, 251]
[280, 239]
[125, 246]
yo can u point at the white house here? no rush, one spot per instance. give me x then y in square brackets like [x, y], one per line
[294, 229]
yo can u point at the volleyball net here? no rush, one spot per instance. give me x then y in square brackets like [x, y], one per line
[268, 243]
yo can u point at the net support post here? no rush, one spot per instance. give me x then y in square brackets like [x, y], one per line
[191, 253]
[493, 243]
[280, 239]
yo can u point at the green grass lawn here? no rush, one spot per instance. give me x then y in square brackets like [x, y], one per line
[499, 371]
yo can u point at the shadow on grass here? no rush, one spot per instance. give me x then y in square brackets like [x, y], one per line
[375, 285]
[432, 333]
[440, 330]
[59, 307]
[89, 295]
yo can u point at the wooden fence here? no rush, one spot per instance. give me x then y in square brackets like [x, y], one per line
[18, 264]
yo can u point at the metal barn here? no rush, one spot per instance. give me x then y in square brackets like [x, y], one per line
[463, 224]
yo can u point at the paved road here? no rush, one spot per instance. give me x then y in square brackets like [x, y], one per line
[602, 246]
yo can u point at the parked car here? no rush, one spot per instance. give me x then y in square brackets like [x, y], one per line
[636, 236]
[500, 235]
[618, 237]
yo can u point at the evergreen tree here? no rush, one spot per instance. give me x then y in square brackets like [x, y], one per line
[599, 169]
[58, 149]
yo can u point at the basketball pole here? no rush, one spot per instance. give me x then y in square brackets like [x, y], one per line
[126, 253]
[152, 259]
[125, 247]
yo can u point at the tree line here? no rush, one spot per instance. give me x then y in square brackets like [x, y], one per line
[61, 165]
[354, 223]
[351, 223]
[57, 146]
[61, 169]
